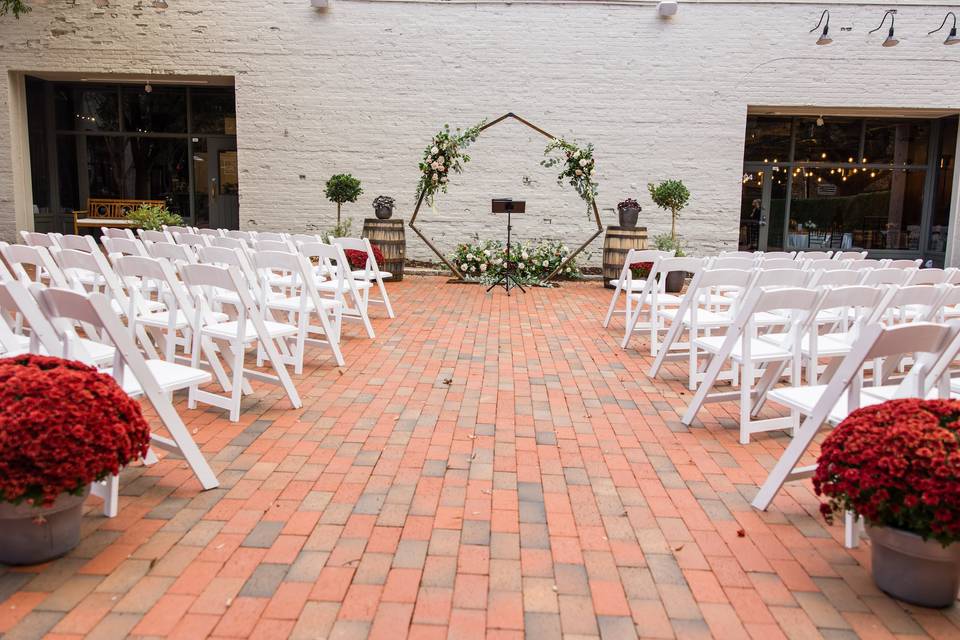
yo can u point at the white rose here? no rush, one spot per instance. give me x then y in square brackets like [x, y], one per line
[434, 150]
[576, 155]
[464, 266]
[546, 263]
[440, 159]
[583, 163]
[520, 265]
[443, 179]
[483, 268]
[486, 252]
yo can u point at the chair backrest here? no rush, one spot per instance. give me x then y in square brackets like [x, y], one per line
[778, 255]
[850, 255]
[732, 263]
[20, 256]
[270, 245]
[875, 277]
[774, 278]
[227, 242]
[137, 270]
[190, 239]
[685, 264]
[270, 236]
[738, 254]
[15, 298]
[865, 263]
[917, 303]
[363, 245]
[781, 263]
[904, 264]
[246, 236]
[927, 276]
[78, 243]
[172, 229]
[824, 265]
[733, 281]
[858, 302]
[122, 233]
[176, 253]
[210, 233]
[835, 278]
[155, 236]
[236, 259]
[300, 238]
[96, 265]
[124, 247]
[36, 239]
[814, 255]
[332, 261]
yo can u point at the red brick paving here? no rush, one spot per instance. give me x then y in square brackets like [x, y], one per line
[487, 467]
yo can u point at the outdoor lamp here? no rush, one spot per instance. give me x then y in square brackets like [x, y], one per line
[890, 40]
[824, 37]
[952, 38]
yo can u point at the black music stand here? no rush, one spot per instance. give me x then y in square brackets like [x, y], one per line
[508, 278]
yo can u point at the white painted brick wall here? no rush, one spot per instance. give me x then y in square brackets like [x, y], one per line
[362, 87]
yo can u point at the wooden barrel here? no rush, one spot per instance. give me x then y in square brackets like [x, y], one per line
[389, 237]
[616, 243]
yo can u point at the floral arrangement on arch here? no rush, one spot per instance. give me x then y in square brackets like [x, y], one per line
[485, 261]
[577, 167]
[63, 425]
[358, 259]
[897, 464]
[443, 156]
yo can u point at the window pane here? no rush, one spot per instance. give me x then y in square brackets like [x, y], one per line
[37, 135]
[837, 140]
[67, 173]
[896, 142]
[943, 189]
[163, 110]
[839, 208]
[214, 111]
[768, 139]
[86, 108]
[148, 168]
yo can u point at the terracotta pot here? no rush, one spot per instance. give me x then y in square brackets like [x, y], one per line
[383, 212]
[914, 570]
[31, 535]
[628, 216]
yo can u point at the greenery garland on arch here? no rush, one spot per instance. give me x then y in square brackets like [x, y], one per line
[445, 155]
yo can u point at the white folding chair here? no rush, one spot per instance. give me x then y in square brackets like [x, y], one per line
[824, 265]
[742, 264]
[773, 255]
[740, 254]
[904, 264]
[22, 259]
[250, 328]
[850, 255]
[831, 403]
[226, 242]
[155, 379]
[654, 297]
[124, 247]
[781, 263]
[305, 305]
[155, 236]
[37, 239]
[270, 236]
[865, 263]
[177, 254]
[697, 313]
[835, 278]
[636, 285]
[246, 236]
[210, 233]
[814, 255]
[341, 286]
[370, 272]
[192, 240]
[121, 233]
[926, 276]
[751, 355]
[877, 277]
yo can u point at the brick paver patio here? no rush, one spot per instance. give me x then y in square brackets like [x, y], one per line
[486, 467]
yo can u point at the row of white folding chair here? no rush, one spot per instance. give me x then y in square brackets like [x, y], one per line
[938, 346]
[626, 283]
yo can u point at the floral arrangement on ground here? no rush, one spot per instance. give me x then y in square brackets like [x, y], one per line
[358, 259]
[486, 261]
[63, 425]
[897, 464]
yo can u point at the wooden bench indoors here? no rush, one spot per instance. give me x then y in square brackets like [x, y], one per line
[108, 212]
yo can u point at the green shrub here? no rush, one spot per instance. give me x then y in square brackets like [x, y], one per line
[341, 188]
[485, 261]
[153, 217]
[672, 196]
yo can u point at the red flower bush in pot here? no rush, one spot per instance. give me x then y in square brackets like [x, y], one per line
[897, 464]
[358, 259]
[63, 425]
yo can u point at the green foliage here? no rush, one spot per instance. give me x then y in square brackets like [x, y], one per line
[666, 242]
[152, 217]
[341, 229]
[443, 156]
[672, 196]
[16, 7]
[341, 188]
[486, 261]
[577, 165]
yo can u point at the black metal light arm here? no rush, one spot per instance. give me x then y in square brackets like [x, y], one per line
[893, 16]
[826, 13]
[950, 14]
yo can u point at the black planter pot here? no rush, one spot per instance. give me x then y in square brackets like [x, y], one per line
[383, 212]
[675, 280]
[628, 216]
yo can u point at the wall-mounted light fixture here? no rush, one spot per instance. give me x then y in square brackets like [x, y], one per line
[952, 37]
[319, 4]
[890, 40]
[667, 8]
[825, 35]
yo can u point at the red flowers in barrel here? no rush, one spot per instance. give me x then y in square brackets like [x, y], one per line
[898, 465]
[63, 425]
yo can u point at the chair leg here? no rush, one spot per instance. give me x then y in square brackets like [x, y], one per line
[300, 346]
[746, 404]
[851, 530]
[109, 491]
[385, 297]
[237, 393]
[612, 307]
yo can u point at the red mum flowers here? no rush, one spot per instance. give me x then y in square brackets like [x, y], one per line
[358, 259]
[63, 425]
[898, 465]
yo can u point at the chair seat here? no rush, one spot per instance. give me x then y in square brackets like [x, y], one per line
[169, 375]
[705, 319]
[663, 299]
[161, 319]
[805, 398]
[293, 303]
[233, 298]
[287, 280]
[760, 350]
[149, 305]
[363, 274]
[228, 330]
[829, 345]
[635, 285]
[331, 286]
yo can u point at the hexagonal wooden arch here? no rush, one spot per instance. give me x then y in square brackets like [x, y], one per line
[453, 267]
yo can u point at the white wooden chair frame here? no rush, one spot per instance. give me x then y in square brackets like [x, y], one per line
[371, 270]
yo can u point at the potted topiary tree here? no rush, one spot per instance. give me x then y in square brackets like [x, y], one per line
[672, 196]
[63, 425]
[897, 464]
[341, 188]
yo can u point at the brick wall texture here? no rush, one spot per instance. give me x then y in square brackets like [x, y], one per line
[361, 88]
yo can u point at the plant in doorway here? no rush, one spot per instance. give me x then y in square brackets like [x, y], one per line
[897, 464]
[153, 217]
[63, 425]
[341, 188]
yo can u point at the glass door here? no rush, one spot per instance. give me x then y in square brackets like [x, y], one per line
[762, 208]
